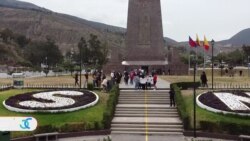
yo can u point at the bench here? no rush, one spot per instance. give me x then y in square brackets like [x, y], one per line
[47, 136]
[244, 137]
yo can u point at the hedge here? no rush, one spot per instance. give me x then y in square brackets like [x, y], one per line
[111, 104]
[210, 126]
[187, 85]
[225, 126]
[181, 107]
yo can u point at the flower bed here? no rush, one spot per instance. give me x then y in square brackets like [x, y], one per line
[227, 102]
[51, 101]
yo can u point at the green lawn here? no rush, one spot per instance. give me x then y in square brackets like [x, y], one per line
[204, 115]
[89, 115]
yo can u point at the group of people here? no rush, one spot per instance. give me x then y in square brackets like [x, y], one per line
[140, 79]
[76, 77]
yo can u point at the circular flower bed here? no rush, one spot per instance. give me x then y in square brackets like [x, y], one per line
[51, 101]
[227, 102]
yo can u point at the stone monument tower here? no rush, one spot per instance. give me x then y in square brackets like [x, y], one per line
[144, 42]
[144, 39]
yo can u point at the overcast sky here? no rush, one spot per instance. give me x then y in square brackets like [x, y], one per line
[218, 19]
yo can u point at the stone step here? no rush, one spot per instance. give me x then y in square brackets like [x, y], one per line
[148, 129]
[144, 115]
[148, 133]
[153, 91]
[143, 97]
[138, 94]
[138, 109]
[146, 93]
[144, 102]
[148, 125]
[150, 120]
[142, 106]
[143, 111]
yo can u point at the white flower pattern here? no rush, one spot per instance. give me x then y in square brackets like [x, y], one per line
[59, 102]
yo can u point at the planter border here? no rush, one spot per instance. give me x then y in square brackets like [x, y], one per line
[19, 110]
[203, 106]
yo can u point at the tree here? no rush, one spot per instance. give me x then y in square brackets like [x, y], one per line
[36, 52]
[84, 50]
[21, 40]
[246, 50]
[6, 35]
[94, 53]
[68, 66]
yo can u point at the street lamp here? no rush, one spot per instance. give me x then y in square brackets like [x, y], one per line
[212, 43]
[248, 65]
[221, 62]
[80, 67]
[194, 96]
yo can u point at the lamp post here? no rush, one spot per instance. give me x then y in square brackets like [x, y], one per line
[194, 96]
[212, 42]
[80, 67]
[248, 65]
[221, 62]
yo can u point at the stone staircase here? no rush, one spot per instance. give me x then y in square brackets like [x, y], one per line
[146, 112]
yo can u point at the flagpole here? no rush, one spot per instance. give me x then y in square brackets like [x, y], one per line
[189, 61]
[194, 91]
[204, 57]
[212, 42]
[194, 44]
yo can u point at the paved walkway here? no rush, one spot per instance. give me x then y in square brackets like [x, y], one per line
[161, 84]
[138, 138]
[84, 138]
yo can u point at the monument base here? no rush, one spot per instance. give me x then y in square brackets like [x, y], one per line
[148, 66]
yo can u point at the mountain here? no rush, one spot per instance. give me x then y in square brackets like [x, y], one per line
[39, 23]
[241, 38]
[21, 5]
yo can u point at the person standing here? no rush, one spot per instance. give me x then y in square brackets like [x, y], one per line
[143, 82]
[155, 80]
[172, 97]
[149, 81]
[126, 77]
[86, 79]
[113, 77]
[104, 83]
[76, 79]
[203, 79]
[131, 77]
[137, 82]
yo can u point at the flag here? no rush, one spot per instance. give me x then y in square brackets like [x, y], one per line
[198, 41]
[206, 44]
[192, 43]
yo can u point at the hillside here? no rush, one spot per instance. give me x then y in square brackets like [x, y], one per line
[39, 23]
[21, 5]
[243, 37]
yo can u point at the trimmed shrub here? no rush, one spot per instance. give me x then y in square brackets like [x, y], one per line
[225, 126]
[181, 107]
[111, 104]
[90, 86]
[187, 85]
[45, 129]
[73, 127]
